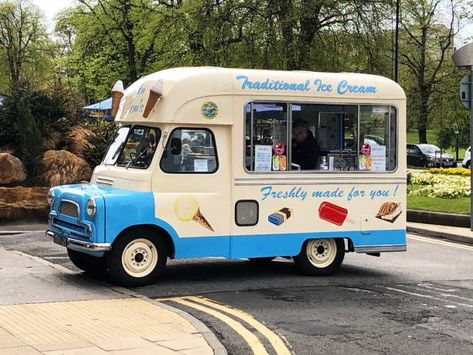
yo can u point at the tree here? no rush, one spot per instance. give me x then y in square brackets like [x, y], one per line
[109, 40]
[428, 43]
[23, 126]
[21, 36]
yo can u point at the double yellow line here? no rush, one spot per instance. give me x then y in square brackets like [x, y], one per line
[236, 322]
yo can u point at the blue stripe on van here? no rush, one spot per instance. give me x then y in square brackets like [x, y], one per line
[261, 245]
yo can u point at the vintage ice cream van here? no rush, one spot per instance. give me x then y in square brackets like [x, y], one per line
[234, 163]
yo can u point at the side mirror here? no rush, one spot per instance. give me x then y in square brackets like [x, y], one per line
[176, 146]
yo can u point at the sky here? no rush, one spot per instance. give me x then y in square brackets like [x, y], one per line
[52, 7]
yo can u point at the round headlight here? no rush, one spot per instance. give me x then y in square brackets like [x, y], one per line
[50, 197]
[91, 207]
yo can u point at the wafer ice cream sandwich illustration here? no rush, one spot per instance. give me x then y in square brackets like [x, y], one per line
[187, 209]
[389, 211]
[154, 94]
[280, 216]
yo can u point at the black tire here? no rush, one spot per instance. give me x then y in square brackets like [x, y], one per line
[467, 165]
[264, 260]
[138, 257]
[88, 263]
[320, 257]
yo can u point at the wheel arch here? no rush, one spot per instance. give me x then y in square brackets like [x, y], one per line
[348, 242]
[156, 230]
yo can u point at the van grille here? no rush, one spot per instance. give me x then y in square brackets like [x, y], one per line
[69, 209]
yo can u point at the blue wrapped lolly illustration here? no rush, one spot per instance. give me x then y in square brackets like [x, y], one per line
[280, 216]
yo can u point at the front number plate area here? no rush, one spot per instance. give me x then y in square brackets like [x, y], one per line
[58, 239]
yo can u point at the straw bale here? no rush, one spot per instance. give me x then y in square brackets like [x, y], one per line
[23, 202]
[62, 167]
[79, 140]
[11, 169]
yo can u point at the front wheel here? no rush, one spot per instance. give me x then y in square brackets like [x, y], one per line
[87, 263]
[320, 257]
[137, 258]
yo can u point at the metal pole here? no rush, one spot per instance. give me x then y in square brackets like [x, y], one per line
[396, 42]
[456, 148]
[471, 145]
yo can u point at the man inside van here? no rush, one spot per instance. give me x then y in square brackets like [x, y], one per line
[305, 150]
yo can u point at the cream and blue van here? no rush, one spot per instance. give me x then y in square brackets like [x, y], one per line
[234, 163]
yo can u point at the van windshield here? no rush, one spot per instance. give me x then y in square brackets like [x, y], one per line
[133, 147]
[116, 146]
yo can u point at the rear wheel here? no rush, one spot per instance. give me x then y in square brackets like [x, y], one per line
[88, 263]
[137, 258]
[320, 257]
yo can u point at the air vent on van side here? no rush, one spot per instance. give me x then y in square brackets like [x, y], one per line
[104, 181]
[246, 213]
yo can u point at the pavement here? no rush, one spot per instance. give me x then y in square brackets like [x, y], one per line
[456, 234]
[46, 309]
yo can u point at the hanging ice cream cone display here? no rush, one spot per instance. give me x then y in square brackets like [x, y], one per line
[187, 209]
[117, 94]
[154, 94]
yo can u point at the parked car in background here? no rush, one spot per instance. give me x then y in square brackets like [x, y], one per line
[379, 140]
[467, 158]
[428, 155]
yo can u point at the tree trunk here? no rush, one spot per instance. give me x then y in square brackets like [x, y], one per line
[286, 21]
[423, 116]
[422, 135]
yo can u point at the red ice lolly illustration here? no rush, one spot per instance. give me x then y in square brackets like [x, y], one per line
[332, 213]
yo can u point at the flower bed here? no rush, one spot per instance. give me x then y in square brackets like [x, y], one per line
[438, 184]
[451, 171]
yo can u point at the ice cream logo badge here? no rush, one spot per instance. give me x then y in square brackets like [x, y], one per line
[186, 209]
[209, 110]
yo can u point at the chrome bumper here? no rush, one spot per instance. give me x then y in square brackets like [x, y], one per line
[79, 245]
[380, 248]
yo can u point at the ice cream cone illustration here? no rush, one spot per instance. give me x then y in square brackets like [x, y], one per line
[187, 209]
[117, 94]
[154, 94]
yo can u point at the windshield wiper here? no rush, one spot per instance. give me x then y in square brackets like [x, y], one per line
[135, 159]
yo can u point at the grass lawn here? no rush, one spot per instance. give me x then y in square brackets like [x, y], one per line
[413, 137]
[449, 205]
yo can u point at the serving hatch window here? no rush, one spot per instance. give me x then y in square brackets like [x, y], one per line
[283, 136]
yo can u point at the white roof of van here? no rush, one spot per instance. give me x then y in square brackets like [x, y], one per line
[183, 85]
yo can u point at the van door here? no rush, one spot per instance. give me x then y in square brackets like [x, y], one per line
[192, 191]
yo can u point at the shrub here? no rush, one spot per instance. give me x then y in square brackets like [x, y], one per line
[99, 140]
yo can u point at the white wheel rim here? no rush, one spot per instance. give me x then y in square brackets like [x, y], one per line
[321, 252]
[139, 258]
